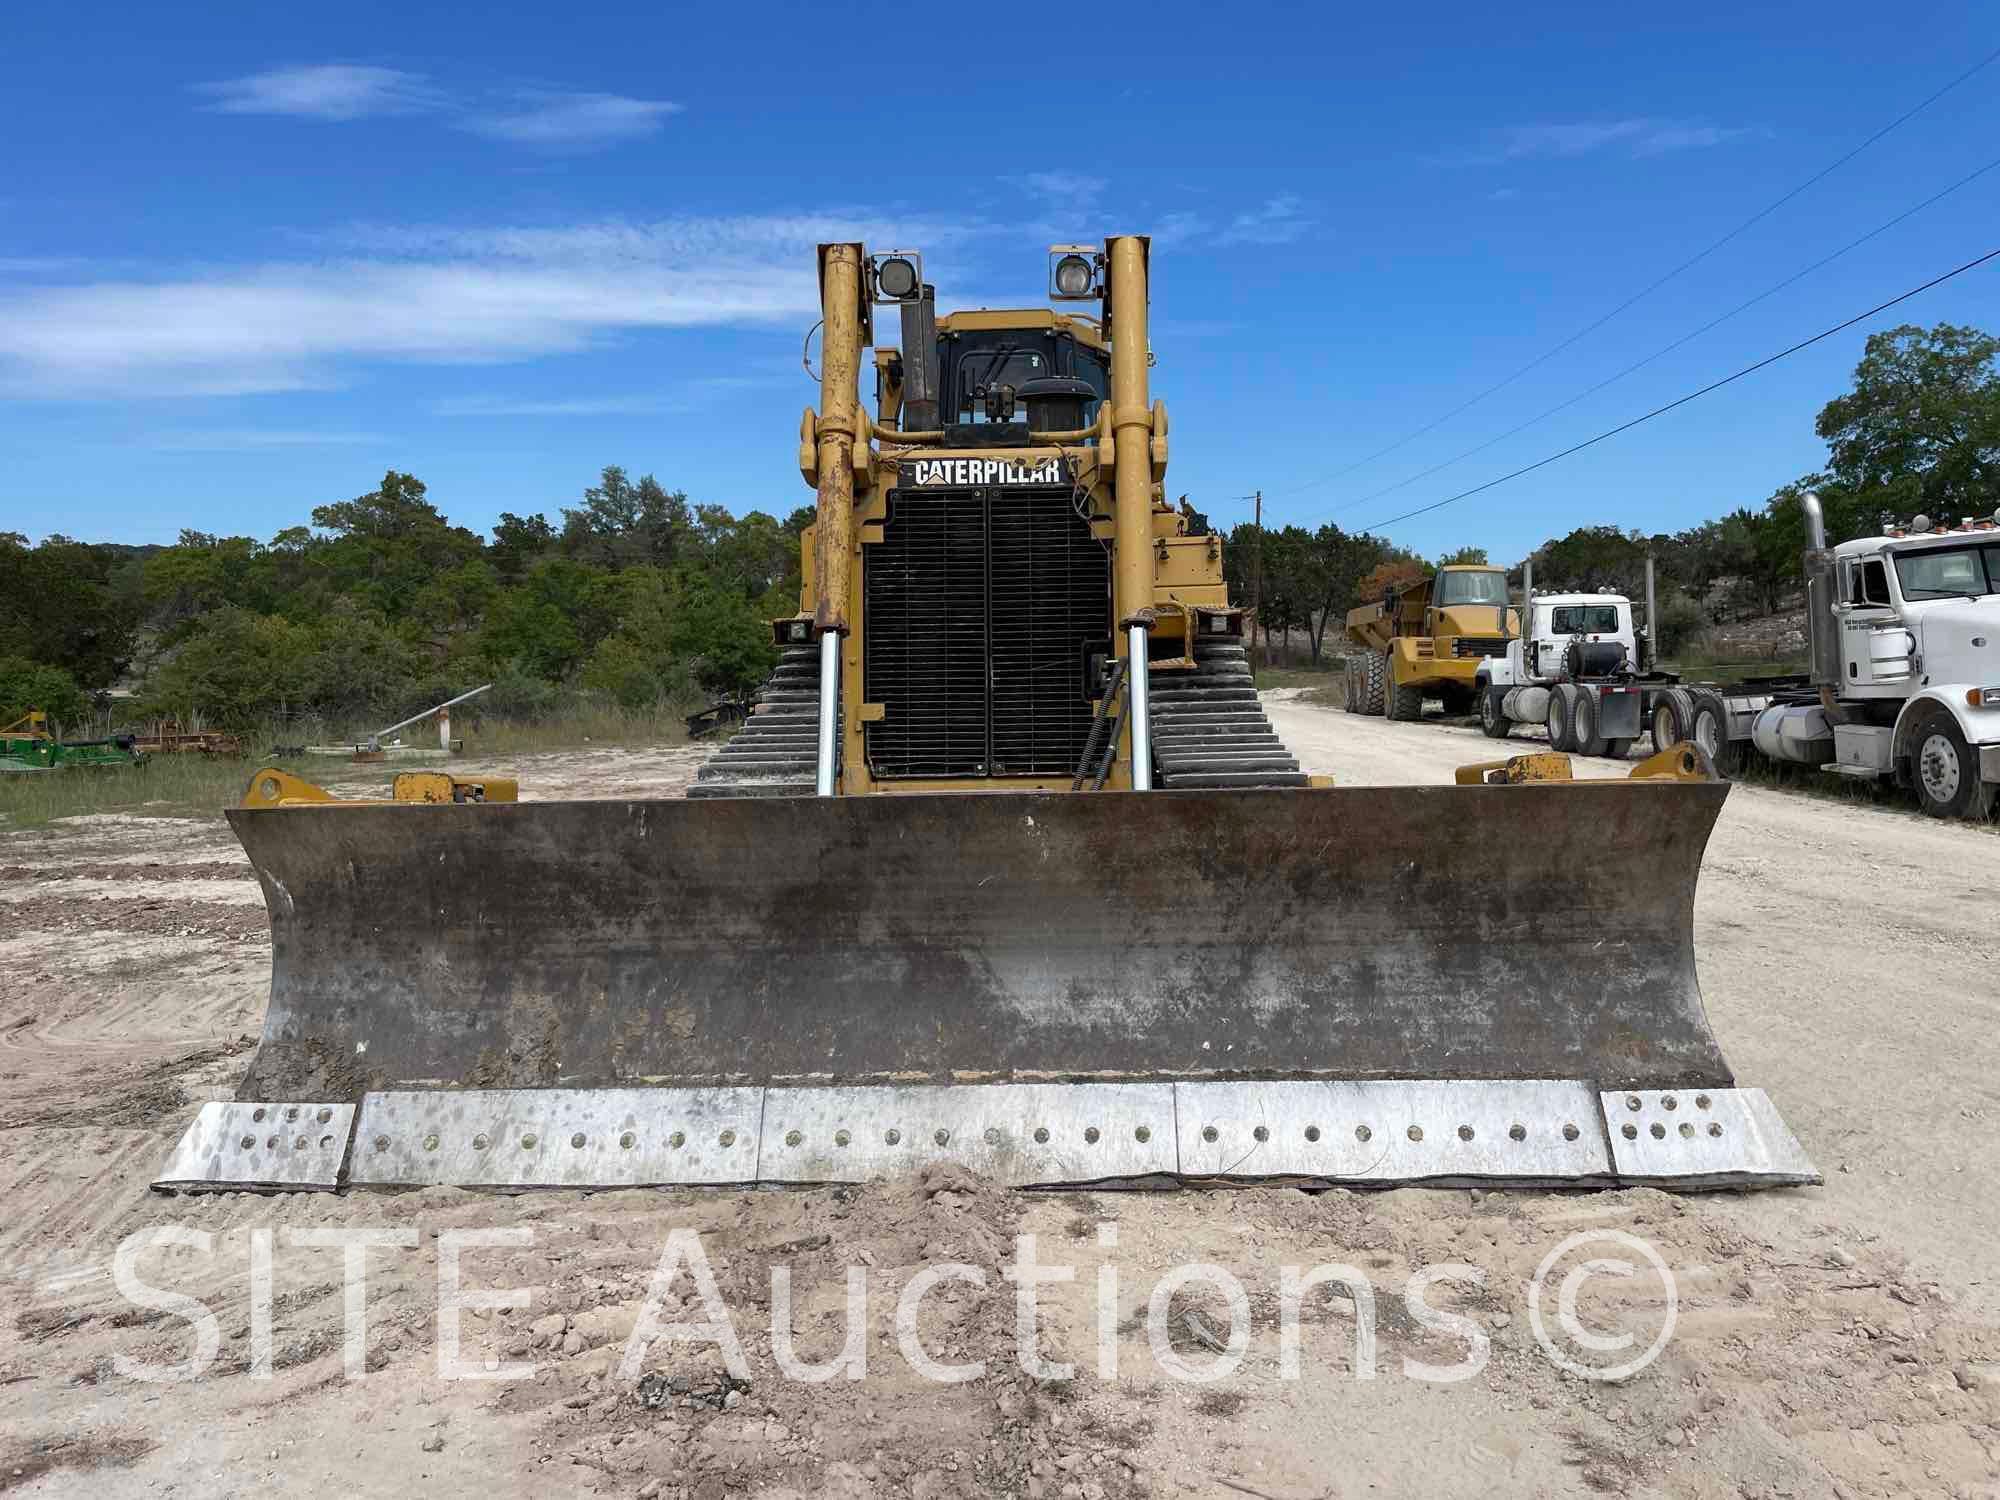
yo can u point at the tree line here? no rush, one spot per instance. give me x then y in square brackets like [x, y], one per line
[638, 595]
[1919, 433]
[381, 606]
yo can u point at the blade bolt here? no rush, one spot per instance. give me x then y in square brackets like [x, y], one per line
[1465, 1132]
[1041, 1135]
[1362, 1132]
[1090, 1135]
[992, 1135]
[1701, 1101]
[1312, 1132]
[249, 1143]
[481, 1142]
[627, 1141]
[1569, 1132]
[257, 1114]
[1261, 1133]
[1415, 1132]
[893, 1137]
[527, 1143]
[1210, 1133]
[1687, 1131]
[677, 1140]
[841, 1138]
[942, 1137]
[1142, 1134]
[792, 1138]
[292, 1113]
[325, 1115]
[1517, 1132]
[1632, 1101]
[1714, 1129]
[1659, 1131]
[1669, 1102]
[1631, 1132]
[381, 1143]
[577, 1140]
[728, 1138]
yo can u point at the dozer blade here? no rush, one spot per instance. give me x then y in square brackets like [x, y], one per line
[1366, 984]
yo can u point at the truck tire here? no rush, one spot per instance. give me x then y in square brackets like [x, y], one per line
[1708, 727]
[1944, 769]
[1374, 666]
[1403, 705]
[1584, 733]
[1350, 670]
[1493, 720]
[1562, 717]
[1673, 717]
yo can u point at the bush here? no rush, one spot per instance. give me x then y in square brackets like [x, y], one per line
[1681, 620]
[27, 685]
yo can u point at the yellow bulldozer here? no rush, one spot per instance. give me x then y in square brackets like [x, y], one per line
[1008, 867]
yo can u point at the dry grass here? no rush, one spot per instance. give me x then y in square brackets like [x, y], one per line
[201, 786]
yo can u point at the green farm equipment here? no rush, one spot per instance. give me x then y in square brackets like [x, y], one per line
[27, 746]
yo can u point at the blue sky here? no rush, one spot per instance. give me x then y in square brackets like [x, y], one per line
[251, 256]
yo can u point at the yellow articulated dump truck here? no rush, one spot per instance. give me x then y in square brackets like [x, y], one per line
[1008, 868]
[1426, 640]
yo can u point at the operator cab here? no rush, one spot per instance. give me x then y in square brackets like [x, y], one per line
[1013, 381]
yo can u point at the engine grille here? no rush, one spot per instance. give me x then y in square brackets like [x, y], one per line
[1479, 645]
[978, 604]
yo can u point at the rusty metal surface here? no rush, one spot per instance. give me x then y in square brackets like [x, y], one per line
[1435, 932]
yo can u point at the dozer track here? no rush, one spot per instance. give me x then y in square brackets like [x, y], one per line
[773, 754]
[1209, 730]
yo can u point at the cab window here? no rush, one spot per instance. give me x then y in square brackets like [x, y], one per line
[1871, 582]
[1471, 588]
[1584, 619]
[1947, 573]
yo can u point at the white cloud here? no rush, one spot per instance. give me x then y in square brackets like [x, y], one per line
[441, 296]
[1637, 136]
[325, 91]
[1278, 222]
[567, 120]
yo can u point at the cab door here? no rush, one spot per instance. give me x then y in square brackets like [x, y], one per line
[1876, 648]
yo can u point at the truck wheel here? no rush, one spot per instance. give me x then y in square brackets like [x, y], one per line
[1374, 667]
[1673, 715]
[1562, 716]
[1492, 718]
[1944, 769]
[1583, 731]
[1405, 704]
[1708, 727]
[1350, 684]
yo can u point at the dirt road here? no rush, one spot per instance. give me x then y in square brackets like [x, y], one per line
[1843, 1340]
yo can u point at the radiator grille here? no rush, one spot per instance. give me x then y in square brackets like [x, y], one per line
[978, 604]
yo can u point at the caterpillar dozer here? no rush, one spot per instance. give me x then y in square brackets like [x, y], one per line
[1007, 866]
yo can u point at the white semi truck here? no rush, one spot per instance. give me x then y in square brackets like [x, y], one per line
[1577, 667]
[1903, 632]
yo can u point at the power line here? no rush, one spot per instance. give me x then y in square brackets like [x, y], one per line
[1660, 411]
[1686, 338]
[1763, 213]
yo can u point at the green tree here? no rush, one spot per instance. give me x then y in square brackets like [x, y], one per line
[1920, 431]
[26, 685]
[1464, 556]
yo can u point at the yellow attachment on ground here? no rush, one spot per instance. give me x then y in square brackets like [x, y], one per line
[271, 787]
[1686, 761]
[1543, 765]
[32, 725]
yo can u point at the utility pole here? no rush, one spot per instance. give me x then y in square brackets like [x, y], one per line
[1257, 583]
